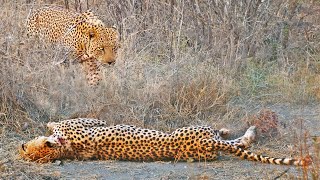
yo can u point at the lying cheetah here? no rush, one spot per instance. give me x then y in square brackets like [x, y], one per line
[85, 139]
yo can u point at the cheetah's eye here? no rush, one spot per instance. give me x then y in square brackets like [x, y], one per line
[23, 147]
[101, 49]
[49, 144]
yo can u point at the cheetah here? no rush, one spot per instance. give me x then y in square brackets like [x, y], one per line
[85, 139]
[89, 40]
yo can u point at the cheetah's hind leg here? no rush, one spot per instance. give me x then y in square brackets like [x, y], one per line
[245, 140]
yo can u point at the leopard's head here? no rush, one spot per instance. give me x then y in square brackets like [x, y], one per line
[103, 43]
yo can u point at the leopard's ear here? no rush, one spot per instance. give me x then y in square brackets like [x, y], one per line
[88, 14]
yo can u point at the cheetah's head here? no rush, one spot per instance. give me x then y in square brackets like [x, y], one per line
[41, 149]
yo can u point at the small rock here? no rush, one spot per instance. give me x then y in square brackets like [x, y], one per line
[25, 126]
[58, 163]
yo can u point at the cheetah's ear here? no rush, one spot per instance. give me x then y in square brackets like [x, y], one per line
[51, 125]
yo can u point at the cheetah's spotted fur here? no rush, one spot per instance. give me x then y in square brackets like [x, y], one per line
[93, 139]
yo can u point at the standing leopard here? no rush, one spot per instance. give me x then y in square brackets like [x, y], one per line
[90, 41]
[84, 139]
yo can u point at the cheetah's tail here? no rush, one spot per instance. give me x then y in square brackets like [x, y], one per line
[245, 154]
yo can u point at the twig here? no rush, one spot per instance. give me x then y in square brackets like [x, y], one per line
[284, 172]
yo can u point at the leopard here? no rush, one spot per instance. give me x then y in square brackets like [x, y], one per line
[93, 139]
[89, 40]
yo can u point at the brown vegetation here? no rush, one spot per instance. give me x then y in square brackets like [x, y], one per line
[266, 122]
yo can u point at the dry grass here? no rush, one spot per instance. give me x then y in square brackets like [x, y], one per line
[181, 63]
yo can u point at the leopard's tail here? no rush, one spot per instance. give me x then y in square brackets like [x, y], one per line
[245, 154]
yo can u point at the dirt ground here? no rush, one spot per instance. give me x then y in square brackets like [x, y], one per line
[226, 167]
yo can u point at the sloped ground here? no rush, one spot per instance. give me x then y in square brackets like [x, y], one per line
[227, 167]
